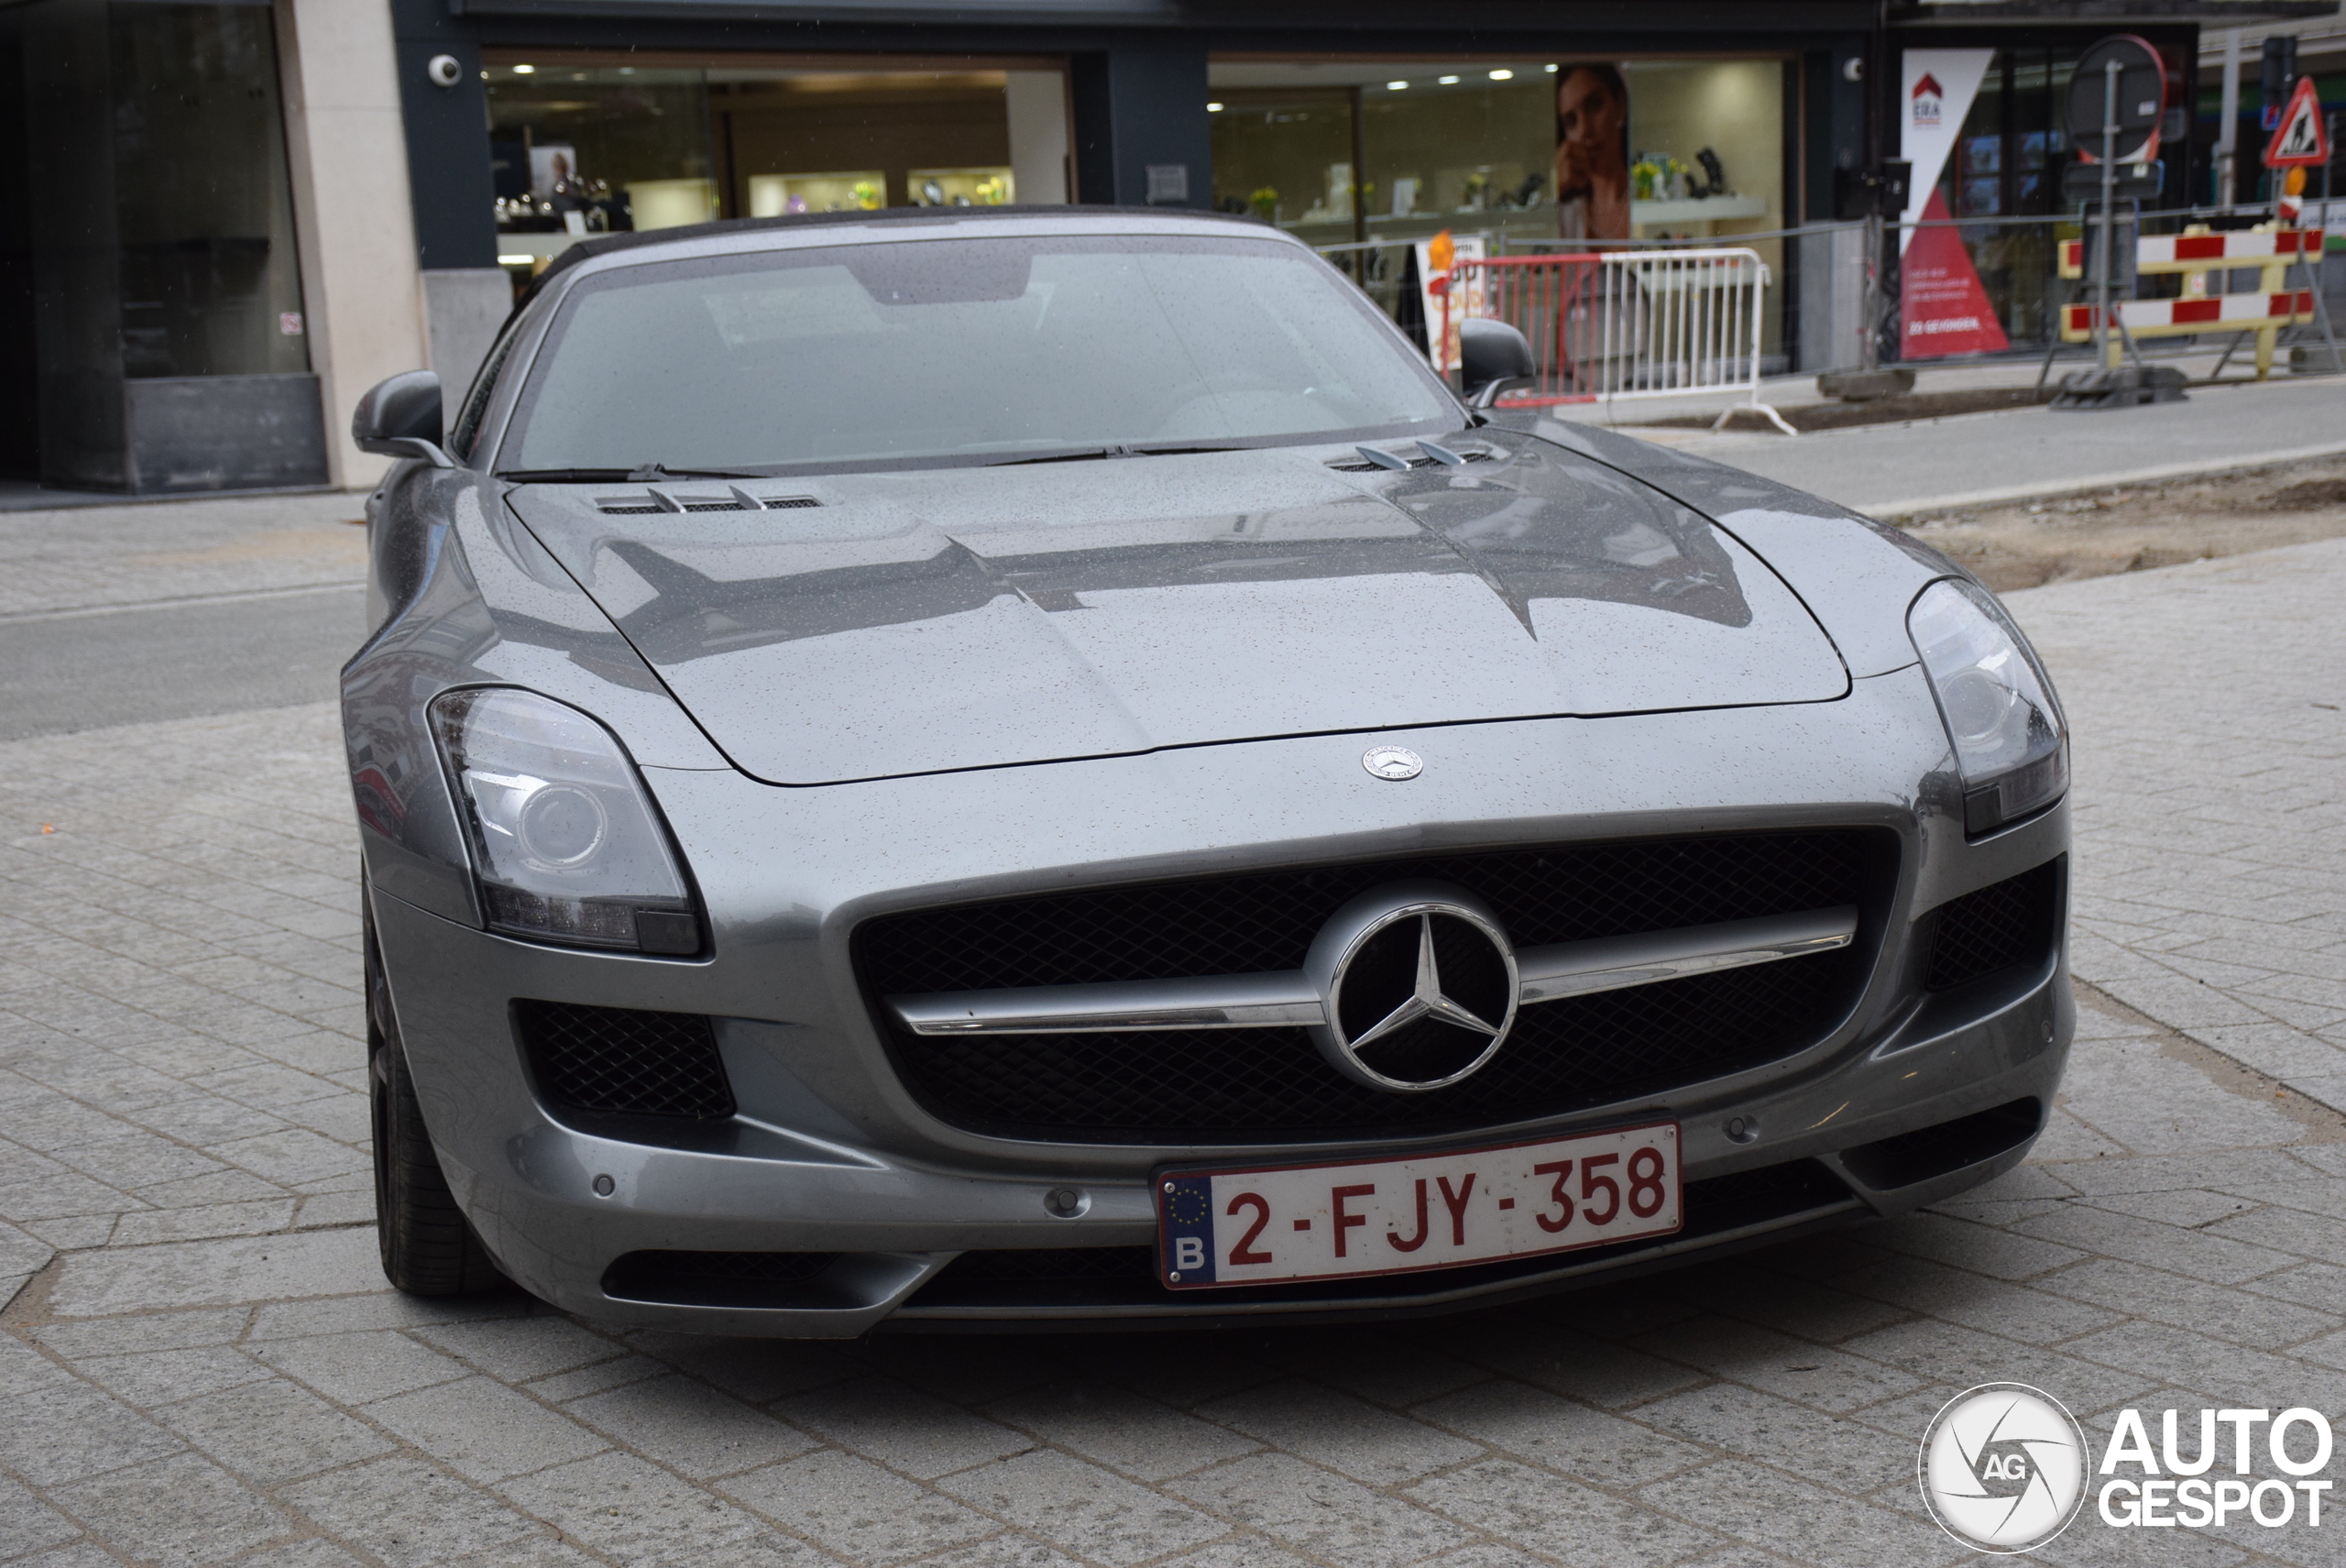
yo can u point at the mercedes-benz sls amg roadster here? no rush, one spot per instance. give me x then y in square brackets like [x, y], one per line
[960, 767]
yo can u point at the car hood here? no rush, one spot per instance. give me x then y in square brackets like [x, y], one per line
[919, 622]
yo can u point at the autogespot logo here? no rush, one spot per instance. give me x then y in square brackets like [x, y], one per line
[2003, 1467]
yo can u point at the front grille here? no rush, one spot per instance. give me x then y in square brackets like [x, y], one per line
[624, 1061]
[714, 1279]
[1260, 1085]
[1126, 1275]
[2003, 926]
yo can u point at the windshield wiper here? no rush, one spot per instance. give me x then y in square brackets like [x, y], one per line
[1089, 454]
[650, 473]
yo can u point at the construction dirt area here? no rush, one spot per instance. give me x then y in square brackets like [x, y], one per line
[2136, 527]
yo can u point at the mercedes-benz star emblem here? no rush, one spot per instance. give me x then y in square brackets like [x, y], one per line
[1395, 762]
[1417, 985]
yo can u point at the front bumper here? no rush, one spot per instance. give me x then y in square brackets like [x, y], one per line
[829, 1155]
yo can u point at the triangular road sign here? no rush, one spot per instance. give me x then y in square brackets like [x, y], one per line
[2303, 139]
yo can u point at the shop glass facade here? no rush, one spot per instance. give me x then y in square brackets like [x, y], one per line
[152, 218]
[2006, 162]
[582, 146]
[1344, 152]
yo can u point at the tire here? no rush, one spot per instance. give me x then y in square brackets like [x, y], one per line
[429, 1247]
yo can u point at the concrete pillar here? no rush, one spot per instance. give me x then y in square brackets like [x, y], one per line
[1141, 130]
[345, 148]
[1036, 100]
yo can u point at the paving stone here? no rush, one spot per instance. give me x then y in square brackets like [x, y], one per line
[1567, 1363]
[1560, 1436]
[2015, 1311]
[1815, 1374]
[518, 1349]
[273, 1432]
[1318, 1514]
[690, 1427]
[902, 1428]
[755, 1370]
[1771, 1509]
[483, 1430]
[213, 1273]
[161, 1376]
[174, 1511]
[1345, 1434]
[1555, 1517]
[410, 1514]
[192, 1225]
[2193, 1304]
[638, 1513]
[1762, 1427]
[68, 1430]
[852, 1507]
[352, 1369]
[1083, 1508]
[29, 1525]
[1120, 1429]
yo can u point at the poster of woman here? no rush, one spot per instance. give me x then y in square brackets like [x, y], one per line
[1592, 152]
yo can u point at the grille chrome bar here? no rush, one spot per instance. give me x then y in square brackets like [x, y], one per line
[1287, 999]
[1615, 963]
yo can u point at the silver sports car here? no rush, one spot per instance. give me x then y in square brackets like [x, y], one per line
[995, 768]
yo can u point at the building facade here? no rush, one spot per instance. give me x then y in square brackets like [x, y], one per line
[220, 221]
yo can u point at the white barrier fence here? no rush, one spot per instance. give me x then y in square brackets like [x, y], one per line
[1622, 326]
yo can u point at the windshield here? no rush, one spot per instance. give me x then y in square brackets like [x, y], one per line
[963, 350]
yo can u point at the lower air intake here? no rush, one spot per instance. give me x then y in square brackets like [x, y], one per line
[2006, 924]
[624, 1061]
[713, 1278]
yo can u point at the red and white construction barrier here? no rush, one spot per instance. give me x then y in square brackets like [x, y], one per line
[2223, 313]
[2194, 252]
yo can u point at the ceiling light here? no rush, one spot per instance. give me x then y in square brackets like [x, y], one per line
[524, 70]
[1213, 108]
[1396, 86]
[1450, 82]
[1549, 69]
[1502, 75]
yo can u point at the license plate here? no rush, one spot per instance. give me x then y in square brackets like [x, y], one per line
[1269, 1224]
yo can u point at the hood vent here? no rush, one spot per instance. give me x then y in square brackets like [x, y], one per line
[1471, 455]
[652, 503]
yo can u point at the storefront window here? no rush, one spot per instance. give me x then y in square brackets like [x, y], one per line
[2007, 163]
[1526, 153]
[211, 285]
[583, 146]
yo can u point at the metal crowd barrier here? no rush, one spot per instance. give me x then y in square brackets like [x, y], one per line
[1619, 326]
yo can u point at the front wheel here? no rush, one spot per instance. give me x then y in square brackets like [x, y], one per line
[428, 1245]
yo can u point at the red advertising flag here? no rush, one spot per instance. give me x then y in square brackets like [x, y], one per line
[1943, 308]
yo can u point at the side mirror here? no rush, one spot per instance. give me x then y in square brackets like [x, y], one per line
[400, 418]
[1493, 358]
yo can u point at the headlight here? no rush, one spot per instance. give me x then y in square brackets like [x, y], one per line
[2009, 740]
[567, 847]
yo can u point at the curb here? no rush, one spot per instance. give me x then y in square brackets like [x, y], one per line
[2003, 495]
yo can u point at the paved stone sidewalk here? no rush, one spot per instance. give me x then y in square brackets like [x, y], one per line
[200, 1364]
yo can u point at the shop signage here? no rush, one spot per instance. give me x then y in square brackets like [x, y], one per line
[1444, 309]
[1942, 308]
